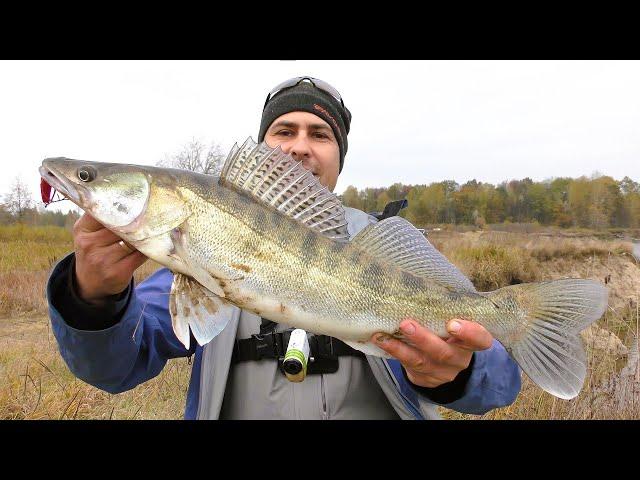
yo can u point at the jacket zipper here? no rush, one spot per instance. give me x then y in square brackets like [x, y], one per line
[325, 416]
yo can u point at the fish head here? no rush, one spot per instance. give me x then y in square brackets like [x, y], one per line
[134, 201]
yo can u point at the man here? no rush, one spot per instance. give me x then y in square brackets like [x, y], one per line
[115, 336]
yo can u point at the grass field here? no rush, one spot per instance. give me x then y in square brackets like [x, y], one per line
[36, 384]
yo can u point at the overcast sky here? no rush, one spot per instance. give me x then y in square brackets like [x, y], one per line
[413, 121]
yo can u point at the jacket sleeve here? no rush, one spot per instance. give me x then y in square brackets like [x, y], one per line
[130, 351]
[494, 381]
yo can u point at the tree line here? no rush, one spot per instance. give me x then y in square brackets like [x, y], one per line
[590, 202]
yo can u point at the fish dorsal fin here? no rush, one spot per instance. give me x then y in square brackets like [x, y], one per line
[277, 179]
[397, 241]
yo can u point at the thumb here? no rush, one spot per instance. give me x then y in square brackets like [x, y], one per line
[469, 335]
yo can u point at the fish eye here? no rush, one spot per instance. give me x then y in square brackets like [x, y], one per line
[86, 174]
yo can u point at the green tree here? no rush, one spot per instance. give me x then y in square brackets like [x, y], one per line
[351, 197]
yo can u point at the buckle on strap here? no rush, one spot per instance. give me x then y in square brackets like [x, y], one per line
[259, 346]
[324, 350]
[323, 358]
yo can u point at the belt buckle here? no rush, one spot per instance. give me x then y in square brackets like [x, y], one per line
[267, 346]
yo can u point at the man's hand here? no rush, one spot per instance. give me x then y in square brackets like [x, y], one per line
[431, 361]
[103, 266]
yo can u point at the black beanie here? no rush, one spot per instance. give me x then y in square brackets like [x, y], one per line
[306, 97]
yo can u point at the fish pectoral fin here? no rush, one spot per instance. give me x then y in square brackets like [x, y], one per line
[180, 236]
[193, 306]
[367, 348]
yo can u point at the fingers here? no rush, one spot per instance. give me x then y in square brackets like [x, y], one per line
[89, 234]
[114, 252]
[132, 261]
[86, 223]
[429, 361]
[101, 238]
[103, 265]
[432, 346]
[468, 335]
[400, 350]
[420, 348]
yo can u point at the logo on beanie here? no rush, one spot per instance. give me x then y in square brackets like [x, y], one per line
[320, 109]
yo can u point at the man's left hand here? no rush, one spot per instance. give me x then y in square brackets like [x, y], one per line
[431, 361]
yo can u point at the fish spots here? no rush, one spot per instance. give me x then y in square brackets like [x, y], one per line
[336, 248]
[121, 207]
[408, 280]
[282, 308]
[210, 305]
[260, 216]
[240, 266]
[309, 247]
[373, 275]
[355, 256]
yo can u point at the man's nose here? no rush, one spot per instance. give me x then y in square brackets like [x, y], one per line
[300, 149]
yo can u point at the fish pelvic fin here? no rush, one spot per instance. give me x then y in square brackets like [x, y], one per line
[368, 348]
[545, 340]
[194, 307]
[274, 178]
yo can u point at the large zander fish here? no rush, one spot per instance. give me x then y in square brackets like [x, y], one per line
[266, 236]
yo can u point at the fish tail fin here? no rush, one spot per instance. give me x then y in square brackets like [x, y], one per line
[545, 341]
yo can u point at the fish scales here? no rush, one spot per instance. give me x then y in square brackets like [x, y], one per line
[286, 260]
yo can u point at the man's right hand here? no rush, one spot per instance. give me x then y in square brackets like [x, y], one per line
[103, 266]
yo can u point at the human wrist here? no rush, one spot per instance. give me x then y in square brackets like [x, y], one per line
[447, 392]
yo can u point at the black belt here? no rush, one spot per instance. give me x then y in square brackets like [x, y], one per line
[323, 350]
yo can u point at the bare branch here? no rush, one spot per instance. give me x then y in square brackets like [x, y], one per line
[18, 200]
[196, 157]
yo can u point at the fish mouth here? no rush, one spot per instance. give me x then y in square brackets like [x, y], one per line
[60, 182]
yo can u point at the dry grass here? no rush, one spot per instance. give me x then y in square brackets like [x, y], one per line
[35, 383]
[496, 259]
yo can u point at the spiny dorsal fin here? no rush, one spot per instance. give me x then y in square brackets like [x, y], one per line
[397, 241]
[277, 179]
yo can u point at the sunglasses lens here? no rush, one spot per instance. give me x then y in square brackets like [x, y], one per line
[292, 82]
[322, 85]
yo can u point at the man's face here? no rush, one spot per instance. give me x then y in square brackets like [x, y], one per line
[310, 140]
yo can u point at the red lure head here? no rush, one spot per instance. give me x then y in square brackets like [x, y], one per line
[45, 191]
